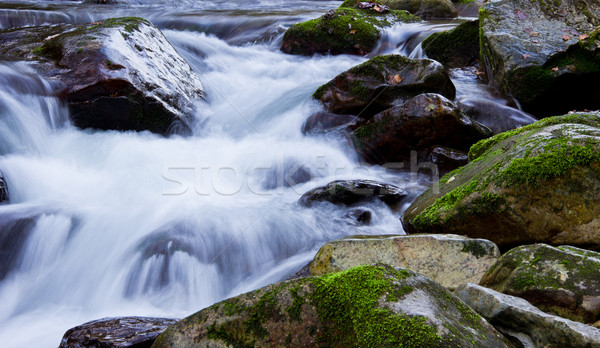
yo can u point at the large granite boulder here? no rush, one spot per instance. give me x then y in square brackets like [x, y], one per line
[563, 280]
[543, 53]
[365, 306]
[525, 323]
[382, 82]
[133, 332]
[538, 183]
[450, 260]
[351, 192]
[422, 122]
[347, 30]
[454, 48]
[119, 73]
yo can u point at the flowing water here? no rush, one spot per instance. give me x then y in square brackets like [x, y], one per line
[112, 224]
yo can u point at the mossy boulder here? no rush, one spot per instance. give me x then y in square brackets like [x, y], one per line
[116, 332]
[450, 260]
[425, 9]
[382, 82]
[422, 122]
[537, 183]
[365, 306]
[352, 192]
[543, 53]
[564, 280]
[4, 197]
[454, 48]
[524, 323]
[120, 73]
[343, 31]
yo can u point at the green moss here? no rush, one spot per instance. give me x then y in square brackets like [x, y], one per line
[39, 51]
[297, 301]
[320, 91]
[456, 47]
[347, 302]
[221, 333]
[265, 308]
[474, 248]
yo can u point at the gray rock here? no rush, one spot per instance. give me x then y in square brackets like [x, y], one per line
[450, 260]
[133, 332]
[365, 306]
[517, 318]
[539, 52]
[351, 192]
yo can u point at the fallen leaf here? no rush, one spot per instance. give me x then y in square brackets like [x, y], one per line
[394, 80]
[533, 33]
[526, 55]
[352, 31]
[51, 37]
[566, 37]
[583, 36]
[555, 68]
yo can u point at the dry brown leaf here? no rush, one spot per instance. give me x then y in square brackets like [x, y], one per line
[352, 31]
[526, 55]
[566, 37]
[394, 80]
[533, 33]
[555, 68]
[583, 36]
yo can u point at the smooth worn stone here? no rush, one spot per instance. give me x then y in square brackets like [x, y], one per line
[326, 122]
[424, 121]
[519, 319]
[351, 192]
[450, 260]
[118, 73]
[497, 117]
[545, 54]
[538, 183]
[426, 9]
[365, 306]
[564, 280]
[131, 332]
[382, 82]
[454, 48]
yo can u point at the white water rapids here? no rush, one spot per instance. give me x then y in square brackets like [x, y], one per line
[114, 224]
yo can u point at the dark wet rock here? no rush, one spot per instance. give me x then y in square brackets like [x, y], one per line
[365, 306]
[119, 74]
[382, 82]
[346, 30]
[4, 197]
[14, 231]
[450, 260]
[425, 9]
[538, 183]
[543, 53]
[564, 281]
[454, 48]
[520, 320]
[325, 122]
[302, 272]
[424, 121]
[133, 332]
[359, 216]
[445, 159]
[497, 117]
[350, 192]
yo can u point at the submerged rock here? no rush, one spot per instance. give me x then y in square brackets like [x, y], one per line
[497, 117]
[454, 48]
[350, 192]
[564, 281]
[520, 320]
[422, 122]
[382, 82]
[444, 158]
[543, 53]
[4, 197]
[120, 73]
[450, 260]
[134, 332]
[346, 30]
[366, 306]
[537, 183]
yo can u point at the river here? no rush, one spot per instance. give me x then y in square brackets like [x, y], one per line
[105, 224]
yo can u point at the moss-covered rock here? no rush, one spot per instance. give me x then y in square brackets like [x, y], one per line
[342, 31]
[525, 323]
[450, 260]
[533, 184]
[564, 280]
[543, 53]
[425, 9]
[454, 48]
[422, 122]
[365, 306]
[351, 192]
[120, 73]
[381, 82]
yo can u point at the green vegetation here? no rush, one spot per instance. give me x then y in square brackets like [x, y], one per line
[475, 248]
[456, 47]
